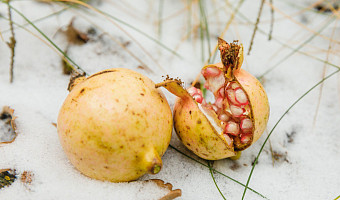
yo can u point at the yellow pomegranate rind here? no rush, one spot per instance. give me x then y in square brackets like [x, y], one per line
[202, 138]
[257, 98]
[115, 126]
[193, 128]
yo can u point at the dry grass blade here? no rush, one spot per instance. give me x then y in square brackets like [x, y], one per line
[39, 38]
[276, 124]
[12, 42]
[216, 171]
[271, 20]
[316, 33]
[123, 46]
[323, 76]
[256, 24]
[118, 26]
[221, 36]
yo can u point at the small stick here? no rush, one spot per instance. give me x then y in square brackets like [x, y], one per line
[11, 43]
[256, 24]
[271, 20]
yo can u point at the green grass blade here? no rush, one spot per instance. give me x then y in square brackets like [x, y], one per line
[212, 175]
[337, 198]
[140, 32]
[285, 45]
[47, 38]
[40, 19]
[284, 114]
[236, 181]
[206, 27]
[298, 48]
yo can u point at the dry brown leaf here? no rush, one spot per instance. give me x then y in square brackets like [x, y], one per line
[5, 170]
[7, 112]
[172, 193]
[75, 36]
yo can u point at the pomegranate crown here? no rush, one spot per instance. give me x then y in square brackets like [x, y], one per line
[231, 56]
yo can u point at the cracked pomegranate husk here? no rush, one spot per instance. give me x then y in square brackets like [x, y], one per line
[235, 120]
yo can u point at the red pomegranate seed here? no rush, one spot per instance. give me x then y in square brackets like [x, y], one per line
[231, 97]
[245, 138]
[219, 102]
[199, 92]
[241, 97]
[210, 71]
[232, 128]
[221, 92]
[236, 111]
[192, 91]
[198, 98]
[246, 125]
[223, 117]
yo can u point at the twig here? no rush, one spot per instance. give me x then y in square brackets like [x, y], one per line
[271, 20]
[11, 43]
[256, 24]
[323, 75]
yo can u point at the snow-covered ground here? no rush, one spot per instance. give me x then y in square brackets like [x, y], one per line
[306, 141]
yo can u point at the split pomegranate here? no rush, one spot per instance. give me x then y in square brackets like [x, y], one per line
[115, 125]
[234, 121]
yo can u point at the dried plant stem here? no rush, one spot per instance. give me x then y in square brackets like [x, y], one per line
[271, 20]
[276, 124]
[221, 36]
[11, 43]
[323, 75]
[256, 24]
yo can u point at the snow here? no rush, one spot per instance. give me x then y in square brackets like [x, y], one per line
[309, 166]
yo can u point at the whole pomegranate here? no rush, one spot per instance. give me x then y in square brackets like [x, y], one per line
[115, 125]
[235, 120]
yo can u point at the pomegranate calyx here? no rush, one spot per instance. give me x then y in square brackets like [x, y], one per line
[231, 56]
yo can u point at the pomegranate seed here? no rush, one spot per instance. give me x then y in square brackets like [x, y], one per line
[245, 138]
[223, 117]
[246, 125]
[215, 108]
[199, 92]
[219, 102]
[210, 71]
[221, 92]
[231, 97]
[236, 111]
[192, 91]
[228, 139]
[241, 97]
[198, 98]
[234, 85]
[232, 128]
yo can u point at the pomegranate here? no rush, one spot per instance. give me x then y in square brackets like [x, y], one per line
[115, 125]
[234, 121]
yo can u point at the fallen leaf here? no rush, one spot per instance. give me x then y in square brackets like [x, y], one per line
[172, 193]
[7, 115]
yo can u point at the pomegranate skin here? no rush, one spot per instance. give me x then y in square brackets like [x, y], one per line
[108, 128]
[206, 137]
[257, 98]
[197, 133]
[193, 128]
